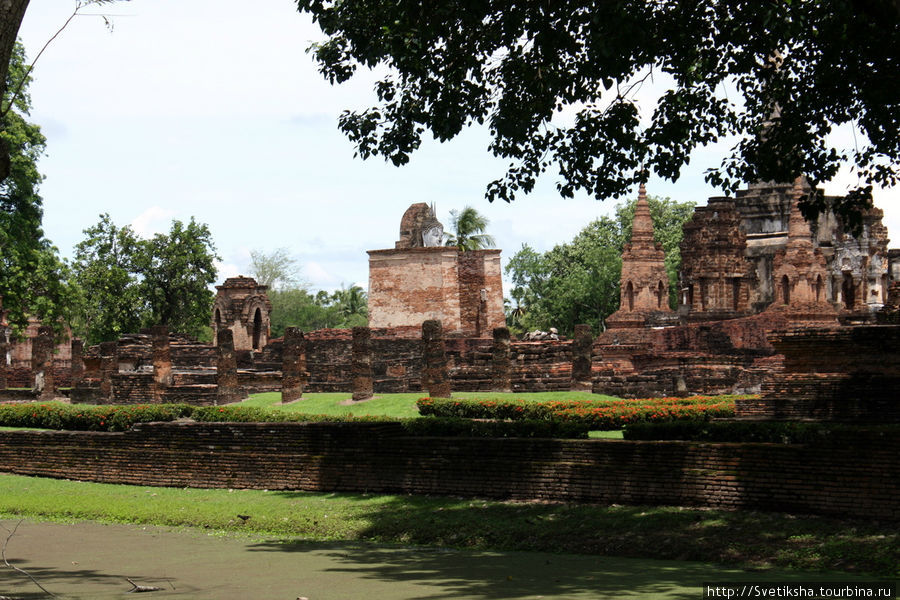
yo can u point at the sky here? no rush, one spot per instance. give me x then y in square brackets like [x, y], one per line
[212, 109]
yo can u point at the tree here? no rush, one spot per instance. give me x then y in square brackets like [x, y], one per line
[467, 230]
[556, 83]
[105, 271]
[578, 282]
[176, 271]
[276, 267]
[129, 283]
[33, 280]
[297, 307]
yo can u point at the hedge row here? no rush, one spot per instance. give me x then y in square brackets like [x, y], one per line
[593, 414]
[121, 418]
[777, 432]
[88, 418]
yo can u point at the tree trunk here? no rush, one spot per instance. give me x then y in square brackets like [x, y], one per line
[11, 14]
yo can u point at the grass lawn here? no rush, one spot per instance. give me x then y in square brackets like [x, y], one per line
[744, 539]
[395, 405]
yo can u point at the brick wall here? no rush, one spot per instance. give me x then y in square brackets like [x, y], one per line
[837, 373]
[858, 476]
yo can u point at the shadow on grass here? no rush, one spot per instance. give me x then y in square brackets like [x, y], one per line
[495, 575]
[613, 551]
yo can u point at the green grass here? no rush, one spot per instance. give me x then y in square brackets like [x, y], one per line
[745, 539]
[395, 405]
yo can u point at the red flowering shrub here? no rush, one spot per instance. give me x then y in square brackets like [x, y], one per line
[87, 418]
[596, 414]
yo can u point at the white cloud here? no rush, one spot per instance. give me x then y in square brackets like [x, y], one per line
[152, 221]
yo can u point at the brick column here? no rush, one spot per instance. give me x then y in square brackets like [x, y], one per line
[162, 362]
[363, 384]
[109, 365]
[77, 369]
[228, 390]
[293, 365]
[501, 377]
[435, 375]
[581, 357]
[3, 350]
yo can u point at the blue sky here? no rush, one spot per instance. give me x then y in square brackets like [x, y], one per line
[213, 109]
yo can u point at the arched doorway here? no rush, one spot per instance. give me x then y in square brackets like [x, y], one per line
[848, 291]
[257, 328]
[660, 294]
[819, 287]
[786, 289]
[629, 296]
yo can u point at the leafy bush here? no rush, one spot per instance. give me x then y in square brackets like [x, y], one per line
[422, 426]
[529, 428]
[778, 432]
[594, 414]
[88, 418]
[251, 414]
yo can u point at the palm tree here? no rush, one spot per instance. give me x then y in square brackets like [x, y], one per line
[468, 230]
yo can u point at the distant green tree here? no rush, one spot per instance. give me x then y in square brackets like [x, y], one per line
[176, 271]
[297, 307]
[578, 282]
[467, 230]
[129, 283]
[275, 268]
[111, 302]
[33, 280]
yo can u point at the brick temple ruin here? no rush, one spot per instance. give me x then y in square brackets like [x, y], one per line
[760, 289]
[755, 275]
[421, 279]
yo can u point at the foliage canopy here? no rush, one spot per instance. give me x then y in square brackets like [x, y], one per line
[467, 230]
[556, 84]
[32, 277]
[129, 283]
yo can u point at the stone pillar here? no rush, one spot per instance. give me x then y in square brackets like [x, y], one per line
[3, 350]
[42, 364]
[501, 378]
[109, 365]
[582, 342]
[293, 365]
[436, 377]
[363, 384]
[228, 390]
[162, 362]
[76, 369]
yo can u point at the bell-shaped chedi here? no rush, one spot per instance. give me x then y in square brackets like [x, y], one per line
[800, 271]
[644, 288]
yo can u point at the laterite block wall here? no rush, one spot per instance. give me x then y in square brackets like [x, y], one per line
[858, 477]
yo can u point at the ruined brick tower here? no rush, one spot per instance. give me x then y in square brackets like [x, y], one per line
[243, 306]
[644, 288]
[419, 280]
[800, 272]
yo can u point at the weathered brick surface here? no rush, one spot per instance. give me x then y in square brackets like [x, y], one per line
[363, 382]
[837, 373]
[227, 387]
[408, 286]
[501, 380]
[294, 376]
[857, 477]
[435, 377]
